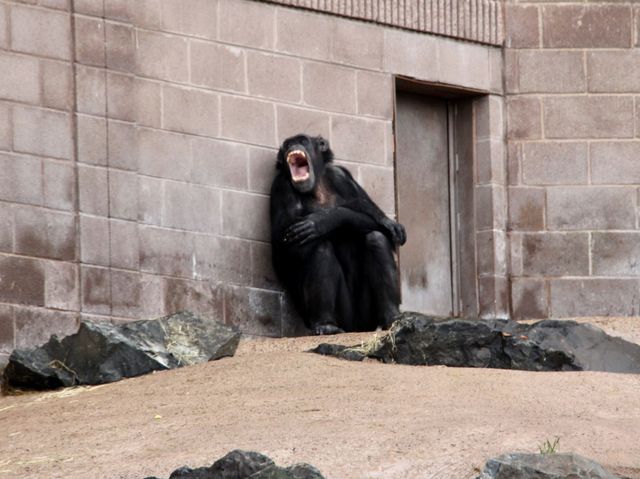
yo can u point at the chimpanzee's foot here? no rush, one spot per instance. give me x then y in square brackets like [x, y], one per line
[389, 318]
[324, 329]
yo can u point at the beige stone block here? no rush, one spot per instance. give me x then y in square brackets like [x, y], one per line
[594, 297]
[192, 207]
[41, 32]
[57, 87]
[602, 65]
[262, 169]
[5, 126]
[514, 158]
[496, 70]
[45, 233]
[57, 4]
[526, 208]
[411, 54]
[22, 280]
[529, 299]
[20, 78]
[616, 254]
[90, 40]
[59, 185]
[92, 140]
[94, 240]
[316, 43]
[89, 7]
[551, 71]
[93, 190]
[490, 207]
[190, 111]
[61, 285]
[123, 148]
[592, 116]
[591, 207]
[223, 259]
[217, 66]
[91, 90]
[524, 118]
[490, 162]
[123, 10]
[168, 252]
[248, 120]
[587, 26]
[123, 195]
[95, 284]
[162, 56]
[489, 117]
[42, 132]
[201, 297]
[358, 139]
[262, 273]
[292, 121]
[164, 154]
[4, 31]
[7, 332]
[248, 23]
[522, 30]
[124, 244]
[464, 64]
[20, 179]
[375, 94]
[615, 162]
[34, 326]
[190, 17]
[220, 163]
[150, 200]
[148, 103]
[274, 76]
[6, 232]
[379, 183]
[119, 104]
[491, 255]
[357, 43]
[554, 163]
[245, 215]
[254, 311]
[555, 254]
[493, 297]
[126, 292]
[511, 74]
[120, 48]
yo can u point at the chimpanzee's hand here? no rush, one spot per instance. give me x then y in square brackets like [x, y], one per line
[395, 230]
[304, 231]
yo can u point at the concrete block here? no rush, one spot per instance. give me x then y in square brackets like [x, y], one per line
[464, 64]
[601, 66]
[191, 207]
[90, 40]
[496, 69]
[248, 23]
[357, 43]
[126, 292]
[4, 30]
[616, 254]
[261, 169]
[591, 207]
[20, 179]
[123, 194]
[164, 154]
[262, 274]
[22, 280]
[166, 252]
[148, 103]
[375, 94]
[254, 311]
[223, 259]
[120, 47]
[190, 17]
[96, 290]
[245, 216]
[45, 233]
[163, 57]
[489, 117]
[529, 298]
[555, 254]
[274, 76]
[220, 163]
[93, 190]
[490, 206]
[57, 4]
[379, 183]
[7, 330]
[292, 120]
[358, 139]
[125, 11]
[493, 295]
[526, 208]
[248, 120]
[551, 71]
[490, 162]
[411, 54]
[91, 90]
[59, 185]
[94, 240]
[123, 146]
[554, 163]
[20, 78]
[125, 246]
[6, 232]
[56, 81]
[61, 285]
[317, 44]
[511, 73]
[200, 297]
[42, 32]
[190, 111]
[514, 158]
[588, 117]
[217, 66]
[615, 162]
[150, 200]
[594, 297]
[35, 326]
[92, 140]
[5, 127]
[522, 26]
[89, 7]
[119, 104]
[587, 26]
[524, 118]
[489, 263]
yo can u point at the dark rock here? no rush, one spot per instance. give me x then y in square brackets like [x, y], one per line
[297, 471]
[339, 351]
[101, 352]
[543, 466]
[548, 345]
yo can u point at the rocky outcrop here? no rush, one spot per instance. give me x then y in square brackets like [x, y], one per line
[549, 345]
[102, 352]
[544, 466]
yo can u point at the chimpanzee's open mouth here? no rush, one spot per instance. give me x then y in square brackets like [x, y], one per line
[298, 165]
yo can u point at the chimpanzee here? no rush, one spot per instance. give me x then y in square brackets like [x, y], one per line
[333, 248]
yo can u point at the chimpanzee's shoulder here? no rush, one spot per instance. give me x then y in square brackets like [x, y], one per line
[337, 172]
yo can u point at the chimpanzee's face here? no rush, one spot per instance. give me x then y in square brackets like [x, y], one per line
[303, 157]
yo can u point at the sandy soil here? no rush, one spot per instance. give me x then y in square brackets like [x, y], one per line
[351, 420]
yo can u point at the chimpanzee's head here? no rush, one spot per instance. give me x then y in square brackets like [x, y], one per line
[303, 158]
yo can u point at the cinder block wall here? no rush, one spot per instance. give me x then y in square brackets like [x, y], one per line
[572, 78]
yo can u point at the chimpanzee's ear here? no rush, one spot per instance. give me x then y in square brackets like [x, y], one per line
[323, 145]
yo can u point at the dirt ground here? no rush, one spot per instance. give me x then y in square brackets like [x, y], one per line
[351, 420]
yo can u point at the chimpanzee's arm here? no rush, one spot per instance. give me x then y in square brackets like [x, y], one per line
[321, 223]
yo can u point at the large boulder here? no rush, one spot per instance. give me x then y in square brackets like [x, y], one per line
[101, 352]
[543, 466]
[548, 345]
